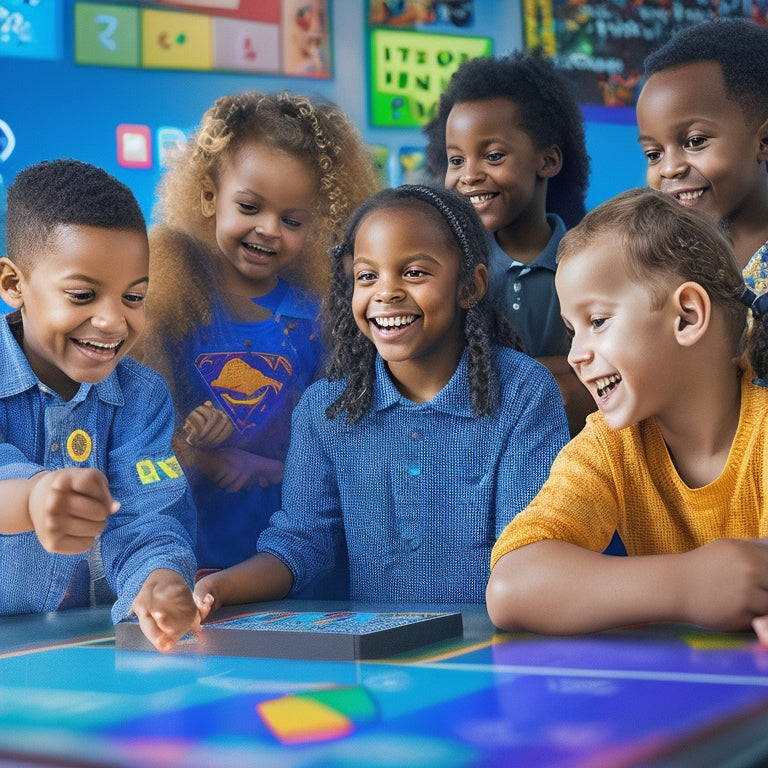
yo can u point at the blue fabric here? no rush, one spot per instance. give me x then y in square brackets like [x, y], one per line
[525, 294]
[419, 491]
[255, 372]
[129, 420]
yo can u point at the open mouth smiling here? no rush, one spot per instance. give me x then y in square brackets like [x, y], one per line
[256, 248]
[99, 346]
[398, 321]
[688, 197]
[606, 383]
[481, 197]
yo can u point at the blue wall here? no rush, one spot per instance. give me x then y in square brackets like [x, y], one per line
[59, 109]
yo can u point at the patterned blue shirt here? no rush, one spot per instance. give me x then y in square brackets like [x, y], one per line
[122, 426]
[419, 491]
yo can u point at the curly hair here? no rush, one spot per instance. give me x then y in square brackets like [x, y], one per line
[739, 47]
[184, 278]
[58, 193]
[353, 356]
[664, 244]
[549, 114]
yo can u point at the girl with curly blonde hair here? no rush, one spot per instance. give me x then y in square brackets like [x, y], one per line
[246, 215]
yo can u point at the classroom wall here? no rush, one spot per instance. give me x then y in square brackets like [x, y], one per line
[59, 109]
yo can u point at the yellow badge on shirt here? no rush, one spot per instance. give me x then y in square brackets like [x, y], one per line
[79, 445]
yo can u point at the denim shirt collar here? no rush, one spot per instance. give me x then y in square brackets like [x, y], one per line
[453, 398]
[16, 374]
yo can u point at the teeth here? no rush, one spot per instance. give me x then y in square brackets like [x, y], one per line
[100, 345]
[690, 195]
[259, 248]
[394, 322]
[606, 384]
[475, 199]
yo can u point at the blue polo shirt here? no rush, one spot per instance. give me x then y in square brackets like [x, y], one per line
[415, 493]
[122, 426]
[525, 294]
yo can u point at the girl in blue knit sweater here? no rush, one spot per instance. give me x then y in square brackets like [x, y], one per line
[426, 436]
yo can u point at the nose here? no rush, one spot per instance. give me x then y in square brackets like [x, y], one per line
[388, 290]
[267, 225]
[109, 317]
[673, 164]
[580, 352]
[471, 172]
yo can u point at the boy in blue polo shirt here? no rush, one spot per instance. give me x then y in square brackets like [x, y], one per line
[89, 482]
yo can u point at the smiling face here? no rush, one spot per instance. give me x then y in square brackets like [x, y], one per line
[406, 296]
[82, 303]
[623, 350]
[262, 202]
[700, 147]
[494, 162]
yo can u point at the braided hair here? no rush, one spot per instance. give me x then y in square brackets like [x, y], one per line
[353, 355]
[549, 114]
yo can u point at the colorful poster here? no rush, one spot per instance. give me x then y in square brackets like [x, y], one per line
[409, 71]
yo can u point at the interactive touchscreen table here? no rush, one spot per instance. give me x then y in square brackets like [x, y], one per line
[660, 695]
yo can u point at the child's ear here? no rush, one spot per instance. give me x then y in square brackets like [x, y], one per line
[468, 298]
[693, 312]
[208, 197]
[550, 162]
[762, 151]
[10, 283]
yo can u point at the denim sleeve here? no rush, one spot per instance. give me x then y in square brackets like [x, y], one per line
[307, 533]
[155, 526]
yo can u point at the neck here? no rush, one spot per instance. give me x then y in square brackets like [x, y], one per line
[523, 241]
[700, 428]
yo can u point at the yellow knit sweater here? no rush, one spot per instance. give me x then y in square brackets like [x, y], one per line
[606, 480]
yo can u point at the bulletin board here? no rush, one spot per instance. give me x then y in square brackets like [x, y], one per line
[601, 46]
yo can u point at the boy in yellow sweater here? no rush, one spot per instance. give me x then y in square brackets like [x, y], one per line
[676, 458]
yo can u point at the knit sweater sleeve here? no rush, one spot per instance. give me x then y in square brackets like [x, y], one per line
[579, 502]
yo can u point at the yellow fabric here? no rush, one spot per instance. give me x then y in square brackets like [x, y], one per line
[606, 480]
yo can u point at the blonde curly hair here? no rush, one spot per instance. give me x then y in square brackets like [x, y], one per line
[316, 132]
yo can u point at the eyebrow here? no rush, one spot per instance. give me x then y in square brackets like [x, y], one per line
[94, 281]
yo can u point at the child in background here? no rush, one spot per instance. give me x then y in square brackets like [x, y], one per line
[88, 476]
[675, 460]
[426, 438]
[509, 136]
[703, 121]
[248, 212]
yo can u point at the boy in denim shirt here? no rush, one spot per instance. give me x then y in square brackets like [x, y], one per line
[88, 478]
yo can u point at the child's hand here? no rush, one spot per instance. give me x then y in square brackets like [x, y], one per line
[726, 585]
[69, 508]
[166, 609]
[206, 426]
[205, 597]
[234, 469]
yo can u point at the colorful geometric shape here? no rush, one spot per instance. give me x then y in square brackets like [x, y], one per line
[106, 35]
[318, 715]
[177, 40]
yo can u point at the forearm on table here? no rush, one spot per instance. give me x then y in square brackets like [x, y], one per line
[554, 587]
[261, 577]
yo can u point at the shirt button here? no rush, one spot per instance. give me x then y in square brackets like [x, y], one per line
[516, 305]
[414, 543]
[54, 447]
[517, 286]
[414, 470]
[415, 435]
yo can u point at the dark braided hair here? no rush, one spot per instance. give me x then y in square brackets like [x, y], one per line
[739, 46]
[353, 356]
[549, 114]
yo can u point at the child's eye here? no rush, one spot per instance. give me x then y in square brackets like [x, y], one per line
[293, 223]
[455, 161]
[494, 157]
[652, 156]
[80, 297]
[695, 142]
[598, 322]
[247, 208]
[364, 277]
[134, 298]
[414, 272]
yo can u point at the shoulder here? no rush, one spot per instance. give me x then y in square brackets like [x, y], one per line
[516, 368]
[135, 376]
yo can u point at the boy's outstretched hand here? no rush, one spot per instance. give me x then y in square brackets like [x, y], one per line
[165, 609]
[69, 508]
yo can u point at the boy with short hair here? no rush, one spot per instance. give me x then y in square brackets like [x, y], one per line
[675, 460]
[87, 473]
[703, 121]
